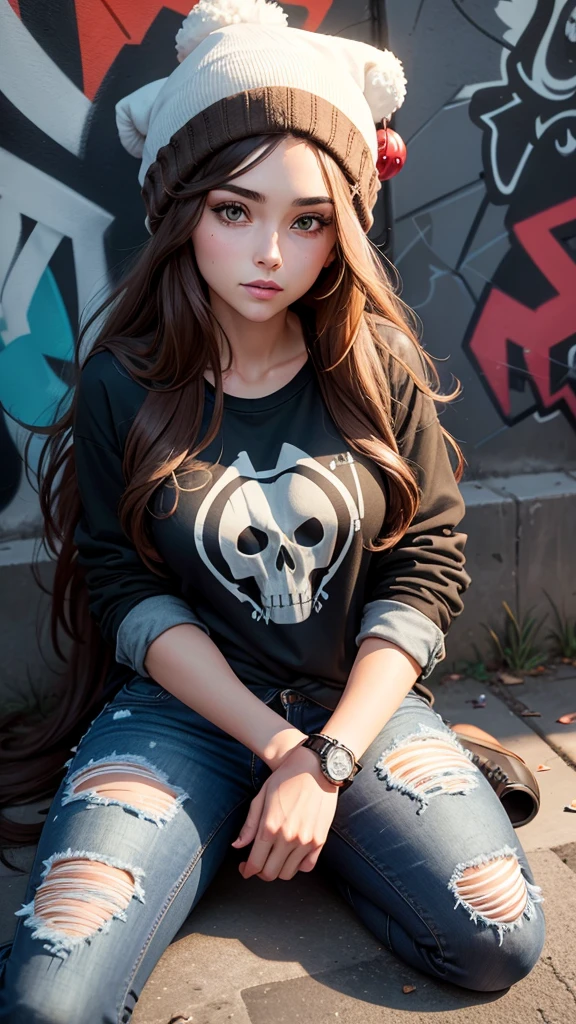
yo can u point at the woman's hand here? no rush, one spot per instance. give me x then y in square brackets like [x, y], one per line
[289, 819]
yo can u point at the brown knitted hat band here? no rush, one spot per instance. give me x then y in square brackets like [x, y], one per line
[266, 110]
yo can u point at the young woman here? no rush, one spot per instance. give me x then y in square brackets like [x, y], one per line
[259, 506]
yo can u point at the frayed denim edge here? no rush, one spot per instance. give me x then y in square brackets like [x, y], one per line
[62, 946]
[93, 799]
[423, 799]
[533, 892]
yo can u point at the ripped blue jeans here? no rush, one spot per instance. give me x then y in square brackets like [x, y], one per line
[420, 847]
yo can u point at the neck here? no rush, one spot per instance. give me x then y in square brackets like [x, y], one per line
[257, 347]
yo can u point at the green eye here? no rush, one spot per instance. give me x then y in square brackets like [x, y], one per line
[311, 223]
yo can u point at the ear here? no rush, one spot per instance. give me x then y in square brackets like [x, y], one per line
[330, 259]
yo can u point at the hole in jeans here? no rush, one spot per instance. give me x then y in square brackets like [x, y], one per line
[494, 890]
[427, 764]
[130, 782]
[80, 894]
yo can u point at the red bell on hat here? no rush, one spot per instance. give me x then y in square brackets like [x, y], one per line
[391, 153]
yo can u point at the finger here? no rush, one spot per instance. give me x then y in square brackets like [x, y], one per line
[310, 860]
[258, 856]
[293, 862]
[275, 862]
[250, 826]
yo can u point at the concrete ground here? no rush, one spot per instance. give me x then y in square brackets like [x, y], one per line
[258, 952]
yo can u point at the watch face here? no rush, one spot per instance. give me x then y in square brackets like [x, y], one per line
[339, 763]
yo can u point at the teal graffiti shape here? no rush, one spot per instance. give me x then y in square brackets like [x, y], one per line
[29, 388]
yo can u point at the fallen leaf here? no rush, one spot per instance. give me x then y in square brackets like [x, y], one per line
[530, 714]
[571, 806]
[544, 768]
[567, 719]
[452, 677]
[408, 988]
[508, 679]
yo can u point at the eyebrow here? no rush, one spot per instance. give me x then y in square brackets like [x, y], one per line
[257, 197]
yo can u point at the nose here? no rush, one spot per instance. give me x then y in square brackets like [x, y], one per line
[268, 252]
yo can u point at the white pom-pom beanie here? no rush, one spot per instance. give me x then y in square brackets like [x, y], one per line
[243, 72]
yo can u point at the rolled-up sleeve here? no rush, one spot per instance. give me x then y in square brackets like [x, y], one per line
[131, 604]
[414, 590]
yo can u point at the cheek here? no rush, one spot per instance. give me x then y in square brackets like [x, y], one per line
[312, 256]
[206, 244]
[320, 248]
[214, 249]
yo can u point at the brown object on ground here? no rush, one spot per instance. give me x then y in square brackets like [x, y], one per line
[508, 679]
[508, 774]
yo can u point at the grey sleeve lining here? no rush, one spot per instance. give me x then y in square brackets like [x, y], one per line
[146, 621]
[407, 627]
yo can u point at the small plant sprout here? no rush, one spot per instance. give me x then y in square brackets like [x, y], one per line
[564, 637]
[518, 650]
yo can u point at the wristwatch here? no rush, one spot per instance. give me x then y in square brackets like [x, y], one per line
[336, 761]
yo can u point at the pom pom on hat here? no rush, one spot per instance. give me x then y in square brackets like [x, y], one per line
[385, 87]
[209, 15]
[133, 116]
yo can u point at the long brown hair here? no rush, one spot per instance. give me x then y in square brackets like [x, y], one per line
[159, 324]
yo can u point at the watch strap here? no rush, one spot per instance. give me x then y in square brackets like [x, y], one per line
[321, 744]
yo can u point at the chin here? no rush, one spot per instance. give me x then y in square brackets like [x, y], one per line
[259, 314]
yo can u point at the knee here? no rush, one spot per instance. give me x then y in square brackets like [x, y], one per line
[490, 969]
[39, 1010]
[28, 994]
[505, 926]
[80, 895]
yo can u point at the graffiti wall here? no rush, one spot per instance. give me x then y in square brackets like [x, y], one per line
[483, 214]
[70, 207]
[485, 218]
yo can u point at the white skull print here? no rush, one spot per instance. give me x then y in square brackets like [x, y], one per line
[278, 527]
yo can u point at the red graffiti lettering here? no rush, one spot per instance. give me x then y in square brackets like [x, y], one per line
[105, 27]
[504, 319]
[317, 11]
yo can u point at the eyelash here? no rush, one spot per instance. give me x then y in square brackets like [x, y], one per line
[322, 221]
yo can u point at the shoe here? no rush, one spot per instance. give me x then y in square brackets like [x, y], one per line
[510, 777]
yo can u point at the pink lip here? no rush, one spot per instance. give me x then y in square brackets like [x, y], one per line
[268, 285]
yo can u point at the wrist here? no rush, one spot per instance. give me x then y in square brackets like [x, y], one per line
[281, 745]
[300, 759]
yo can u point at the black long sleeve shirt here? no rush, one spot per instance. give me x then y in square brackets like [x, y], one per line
[267, 556]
